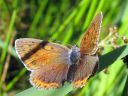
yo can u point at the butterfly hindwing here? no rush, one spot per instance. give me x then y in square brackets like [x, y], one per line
[49, 76]
[87, 66]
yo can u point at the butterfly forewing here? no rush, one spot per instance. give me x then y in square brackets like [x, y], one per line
[89, 42]
[35, 53]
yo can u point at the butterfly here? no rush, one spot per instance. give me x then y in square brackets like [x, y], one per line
[52, 64]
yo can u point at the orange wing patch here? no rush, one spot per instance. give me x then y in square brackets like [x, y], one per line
[40, 84]
[48, 47]
[80, 83]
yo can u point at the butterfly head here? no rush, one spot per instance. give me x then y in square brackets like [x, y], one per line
[74, 54]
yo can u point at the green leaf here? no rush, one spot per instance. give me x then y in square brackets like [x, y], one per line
[52, 92]
[111, 57]
[105, 61]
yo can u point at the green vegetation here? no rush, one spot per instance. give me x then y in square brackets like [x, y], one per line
[64, 21]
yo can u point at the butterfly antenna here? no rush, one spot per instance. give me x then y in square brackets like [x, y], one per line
[68, 45]
[56, 41]
[60, 42]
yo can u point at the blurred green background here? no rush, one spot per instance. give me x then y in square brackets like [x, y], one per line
[62, 21]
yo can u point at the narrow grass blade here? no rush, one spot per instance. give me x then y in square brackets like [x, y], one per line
[125, 91]
[9, 35]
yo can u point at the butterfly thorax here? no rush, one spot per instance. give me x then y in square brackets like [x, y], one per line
[74, 54]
